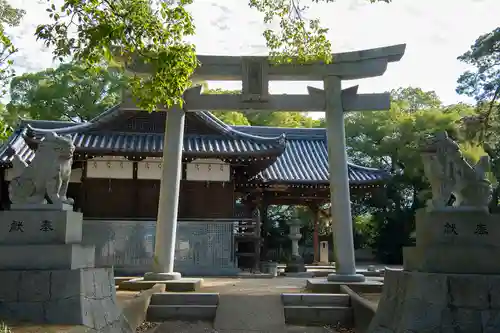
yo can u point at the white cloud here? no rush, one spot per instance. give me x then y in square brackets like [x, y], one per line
[436, 32]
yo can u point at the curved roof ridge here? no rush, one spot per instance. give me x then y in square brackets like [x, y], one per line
[291, 133]
[367, 168]
[115, 111]
[231, 130]
[110, 113]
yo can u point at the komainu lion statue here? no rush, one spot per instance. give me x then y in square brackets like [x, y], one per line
[450, 174]
[46, 179]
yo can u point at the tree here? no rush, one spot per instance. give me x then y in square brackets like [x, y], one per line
[127, 31]
[69, 92]
[390, 140]
[482, 82]
[9, 16]
[154, 31]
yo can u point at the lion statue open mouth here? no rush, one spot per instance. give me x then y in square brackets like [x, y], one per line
[46, 178]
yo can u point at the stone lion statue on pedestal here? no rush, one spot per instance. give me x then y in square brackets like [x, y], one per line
[449, 173]
[46, 179]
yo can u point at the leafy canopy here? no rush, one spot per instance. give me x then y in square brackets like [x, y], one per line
[69, 92]
[9, 16]
[94, 32]
[482, 82]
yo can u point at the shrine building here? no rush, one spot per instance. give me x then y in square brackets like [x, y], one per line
[230, 175]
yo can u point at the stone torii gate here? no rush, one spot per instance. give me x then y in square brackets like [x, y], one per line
[255, 74]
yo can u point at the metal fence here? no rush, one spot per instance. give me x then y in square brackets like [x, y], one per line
[202, 248]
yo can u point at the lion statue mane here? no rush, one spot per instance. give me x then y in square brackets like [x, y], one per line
[46, 178]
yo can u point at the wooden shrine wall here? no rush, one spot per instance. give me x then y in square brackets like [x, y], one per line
[128, 198]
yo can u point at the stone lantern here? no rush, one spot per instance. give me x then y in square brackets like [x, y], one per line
[296, 263]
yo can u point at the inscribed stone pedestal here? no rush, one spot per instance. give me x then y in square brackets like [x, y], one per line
[47, 275]
[451, 278]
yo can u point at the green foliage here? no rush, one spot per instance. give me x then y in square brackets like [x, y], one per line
[482, 82]
[9, 16]
[262, 118]
[127, 31]
[391, 140]
[386, 139]
[298, 39]
[69, 92]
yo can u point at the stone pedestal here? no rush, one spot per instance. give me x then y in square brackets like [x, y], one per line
[451, 278]
[49, 278]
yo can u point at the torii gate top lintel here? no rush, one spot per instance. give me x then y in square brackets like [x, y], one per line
[346, 65]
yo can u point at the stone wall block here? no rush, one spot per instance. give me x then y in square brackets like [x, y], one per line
[420, 316]
[466, 320]
[89, 285]
[24, 311]
[391, 282]
[103, 282]
[87, 315]
[34, 286]
[494, 292]
[66, 284]
[431, 288]
[490, 320]
[468, 291]
[113, 309]
[10, 282]
[64, 311]
[388, 306]
[99, 315]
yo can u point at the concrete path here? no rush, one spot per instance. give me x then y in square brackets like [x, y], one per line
[246, 306]
[254, 313]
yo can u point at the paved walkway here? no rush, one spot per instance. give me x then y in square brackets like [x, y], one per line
[246, 306]
[255, 313]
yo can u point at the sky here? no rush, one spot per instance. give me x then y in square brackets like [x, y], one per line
[436, 33]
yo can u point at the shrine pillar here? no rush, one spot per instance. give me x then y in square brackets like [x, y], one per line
[345, 265]
[166, 224]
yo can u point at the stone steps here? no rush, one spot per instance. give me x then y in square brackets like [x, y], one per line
[185, 299]
[315, 299]
[182, 306]
[317, 309]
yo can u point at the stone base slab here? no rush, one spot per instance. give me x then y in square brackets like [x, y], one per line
[153, 276]
[40, 227]
[320, 286]
[453, 259]
[46, 257]
[44, 206]
[299, 274]
[62, 297]
[428, 302]
[182, 285]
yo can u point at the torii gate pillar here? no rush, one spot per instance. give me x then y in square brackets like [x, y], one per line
[345, 265]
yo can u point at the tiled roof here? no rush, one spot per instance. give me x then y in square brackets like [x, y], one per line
[305, 159]
[148, 144]
[301, 152]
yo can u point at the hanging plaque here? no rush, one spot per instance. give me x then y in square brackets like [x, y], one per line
[208, 170]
